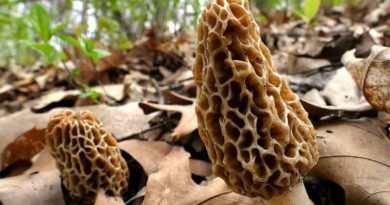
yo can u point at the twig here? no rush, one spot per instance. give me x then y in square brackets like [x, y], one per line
[140, 133]
[213, 197]
[158, 90]
[326, 68]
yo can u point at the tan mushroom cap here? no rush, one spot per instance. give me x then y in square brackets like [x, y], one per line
[86, 154]
[256, 131]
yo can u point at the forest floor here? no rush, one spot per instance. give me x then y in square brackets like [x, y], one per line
[338, 65]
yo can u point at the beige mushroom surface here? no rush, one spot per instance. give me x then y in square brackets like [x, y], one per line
[257, 133]
[87, 155]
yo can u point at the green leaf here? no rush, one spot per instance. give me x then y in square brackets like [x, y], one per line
[175, 2]
[72, 41]
[88, 45]
[59, 28]
[46, 50]
[108, 24]
[332, 2]
[311, 8]
[41, 21]
[89, 93]
[95, 95]
[97, 54]
[301, 15]
[76, 71]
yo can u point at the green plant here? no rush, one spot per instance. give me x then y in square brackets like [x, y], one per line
[89, 93]
[86, 46]
[40, 23]
[309, 10]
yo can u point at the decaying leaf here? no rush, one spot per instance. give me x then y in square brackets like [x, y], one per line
[287, 63]
[147, 153]
[187, 122]
[356, 155]
[342, 91]
[314, 97]
[24, 147]
[40, 185]
[115, 92]
[372, 75]
[56, 97]
[103, 199]
[150, 153]
[5, 91]
[318, 111]
[381, 11]
[172, 185]
[122, 121]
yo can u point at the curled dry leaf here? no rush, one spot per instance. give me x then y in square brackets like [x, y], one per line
[172, 185]
[343, 95]
[24, 147]
[124, 121]
[115, 92]
[356, 155]
[318, 111]
[288, 63]
[187, 122]
[40, 185]
[341, 90]
[55, 97]
[372, 75]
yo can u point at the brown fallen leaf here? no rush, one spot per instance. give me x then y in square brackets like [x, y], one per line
[148, 153]
[115, 92]
[24, 147]
[173, 184]
[380, 11]
[103, 199]
[5, 92]
[288, 63]
[318, 111]
[372, 75]
[177, 99]
[356, 155]
[187, 123]
[122, 121]
[40, 185]
[89, 70]
[55, 97]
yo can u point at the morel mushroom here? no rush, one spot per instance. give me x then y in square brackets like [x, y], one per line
[256, 132]
[86, 154]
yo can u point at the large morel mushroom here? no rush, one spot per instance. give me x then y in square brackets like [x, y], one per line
[86, 154]
[258, 135]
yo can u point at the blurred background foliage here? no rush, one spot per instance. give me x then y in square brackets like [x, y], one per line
[27, 34]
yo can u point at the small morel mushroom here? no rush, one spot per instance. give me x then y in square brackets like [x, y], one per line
[258, 135]
[86, 154]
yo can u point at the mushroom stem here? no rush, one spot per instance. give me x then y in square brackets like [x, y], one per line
[297, 196]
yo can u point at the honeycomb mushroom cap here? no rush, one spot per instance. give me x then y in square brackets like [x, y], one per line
[86, 154]
[256, 131]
